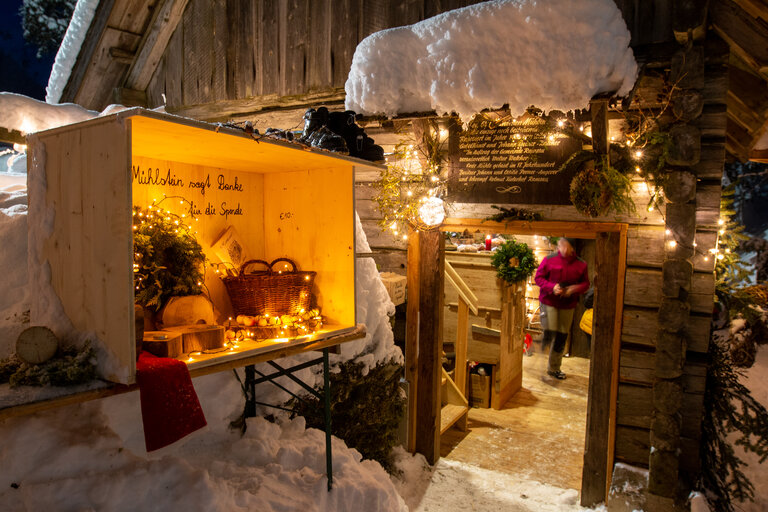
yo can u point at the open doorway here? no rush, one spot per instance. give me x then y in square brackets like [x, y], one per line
[538, 431]
[424, 341]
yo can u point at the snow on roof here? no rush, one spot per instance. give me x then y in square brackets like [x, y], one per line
[70, 48]
[554, 54]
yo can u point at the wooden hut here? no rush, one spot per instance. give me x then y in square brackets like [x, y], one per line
[234, 60]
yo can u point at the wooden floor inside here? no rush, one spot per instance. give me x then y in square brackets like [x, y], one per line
[538, 435]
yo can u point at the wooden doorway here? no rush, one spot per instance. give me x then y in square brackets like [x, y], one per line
[423, 350]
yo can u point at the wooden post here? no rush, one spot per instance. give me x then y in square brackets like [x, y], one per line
[598, 108]
[428, 380]
[603, 367]
[508, 378]
[687, 71]
[461, 346]
[412, 334]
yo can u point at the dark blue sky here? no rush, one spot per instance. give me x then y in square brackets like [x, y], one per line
[20, 70]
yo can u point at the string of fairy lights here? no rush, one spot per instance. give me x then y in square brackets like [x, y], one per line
[420, 182]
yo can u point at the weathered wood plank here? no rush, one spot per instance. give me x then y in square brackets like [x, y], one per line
[321, 26]
[712, 121]
[639, 327]
[637, 367]
[166, 16]
[174, 69]
[343, 42]
[294, 46]
[393, 260]
[747, 36]
[708, 204]
[238, 44]
[645, 248]
[643, 288]
[268, 47]
[156, 87]
[635, 409]
[87, 50]
[633, 445]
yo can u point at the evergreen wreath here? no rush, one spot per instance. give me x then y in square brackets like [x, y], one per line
[596, 190]
[168, 260]
[507, 254]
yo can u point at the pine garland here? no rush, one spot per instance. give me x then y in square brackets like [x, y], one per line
[70, 367]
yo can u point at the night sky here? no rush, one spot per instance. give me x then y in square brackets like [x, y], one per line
[20, 69]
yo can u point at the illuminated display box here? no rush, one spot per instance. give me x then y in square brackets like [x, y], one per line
[282, 199]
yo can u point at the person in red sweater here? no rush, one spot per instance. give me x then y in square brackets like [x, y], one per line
[561, 278]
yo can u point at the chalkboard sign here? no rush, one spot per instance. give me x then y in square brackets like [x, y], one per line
[512, 161]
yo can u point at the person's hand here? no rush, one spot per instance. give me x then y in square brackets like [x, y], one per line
[557, 290]
[570, 290]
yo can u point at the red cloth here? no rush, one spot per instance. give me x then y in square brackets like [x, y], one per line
[557, 269]
[170, 409]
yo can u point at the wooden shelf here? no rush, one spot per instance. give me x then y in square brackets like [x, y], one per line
[50, 398]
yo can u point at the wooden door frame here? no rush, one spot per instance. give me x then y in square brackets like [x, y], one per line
[423, 365]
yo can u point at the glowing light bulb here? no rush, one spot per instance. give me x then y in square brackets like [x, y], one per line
[560, 123]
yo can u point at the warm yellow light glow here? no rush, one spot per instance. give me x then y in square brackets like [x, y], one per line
[560, 123]
[667, 231]
[720, 256]
[720, 222]
[672, 244]
[638, 154]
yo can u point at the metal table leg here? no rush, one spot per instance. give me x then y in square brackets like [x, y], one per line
[327, 393]
[250, 398]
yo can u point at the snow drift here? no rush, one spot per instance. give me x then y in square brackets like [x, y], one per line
[554, 54]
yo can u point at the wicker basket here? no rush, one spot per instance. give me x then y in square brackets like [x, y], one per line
[267, 291]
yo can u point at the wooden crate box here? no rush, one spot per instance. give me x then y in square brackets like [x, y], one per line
[283, 200]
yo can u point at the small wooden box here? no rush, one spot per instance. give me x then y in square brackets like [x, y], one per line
[395, 285]
[480, 390]
[163, 343]
[199, 337]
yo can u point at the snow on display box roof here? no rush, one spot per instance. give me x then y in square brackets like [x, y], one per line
[554, 54]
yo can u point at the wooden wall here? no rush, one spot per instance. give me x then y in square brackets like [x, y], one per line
[226, 51]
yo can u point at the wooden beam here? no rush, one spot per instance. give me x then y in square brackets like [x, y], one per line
[152, 46]
[747, 36]
[130, 97]
[524, 227]
[90, 43]
[12, 136]
[604, 367]
[121, 55]
[224, 109]
[598, 109]
[759, 155]
[428, 382]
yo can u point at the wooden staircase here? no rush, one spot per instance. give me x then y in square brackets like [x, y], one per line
[455, 407]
